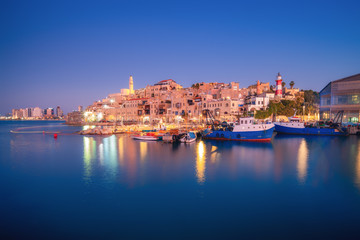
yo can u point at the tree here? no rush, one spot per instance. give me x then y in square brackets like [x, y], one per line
[283, 84]
[196, 86]
[272, 87]
[311, 97]
[292, 84]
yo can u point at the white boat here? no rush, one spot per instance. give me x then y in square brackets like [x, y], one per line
[188, 138]
[145, 138]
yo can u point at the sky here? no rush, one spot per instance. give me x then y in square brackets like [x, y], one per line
[71, 53]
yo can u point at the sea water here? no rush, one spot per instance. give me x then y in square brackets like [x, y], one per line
[113, 187]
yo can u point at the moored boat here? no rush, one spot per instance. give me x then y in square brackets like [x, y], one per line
[296, 126]
[188, 137]
[245, 129]
[145, 138]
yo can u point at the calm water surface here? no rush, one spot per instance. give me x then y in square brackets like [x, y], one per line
[92, 187]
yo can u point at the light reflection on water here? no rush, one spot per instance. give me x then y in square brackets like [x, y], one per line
[200, 162]
[121, 154]
[100, 185]
[357, 167]
[302, 161]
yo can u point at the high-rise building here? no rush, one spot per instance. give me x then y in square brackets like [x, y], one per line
[37, 113]
[17, 113]
[80, 108]
[49, 112]
[27, 112]
[59, 112]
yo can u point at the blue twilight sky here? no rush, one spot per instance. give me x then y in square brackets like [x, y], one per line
[72, 53]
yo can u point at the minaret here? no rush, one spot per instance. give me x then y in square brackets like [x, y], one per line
[131, 85]
[278, 91]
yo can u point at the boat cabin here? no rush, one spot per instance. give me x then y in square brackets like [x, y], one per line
[245, 121]
[294, 119]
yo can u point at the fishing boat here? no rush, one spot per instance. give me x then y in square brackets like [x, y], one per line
[296, 126]
[188, 137]
[245, 129]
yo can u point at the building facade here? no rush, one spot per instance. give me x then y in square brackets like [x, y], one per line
[342, 94]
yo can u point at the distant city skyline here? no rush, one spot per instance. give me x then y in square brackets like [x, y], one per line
[69, 54]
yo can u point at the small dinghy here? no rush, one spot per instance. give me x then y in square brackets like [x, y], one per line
[188, 138]
[145, 138]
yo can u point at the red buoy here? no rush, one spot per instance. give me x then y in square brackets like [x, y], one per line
[55, 135]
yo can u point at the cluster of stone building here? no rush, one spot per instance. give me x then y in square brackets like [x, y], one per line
[167, 101]
[37, 113]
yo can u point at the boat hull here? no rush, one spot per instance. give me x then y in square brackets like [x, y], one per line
[145, 138]
[248, 136]
[308, 131]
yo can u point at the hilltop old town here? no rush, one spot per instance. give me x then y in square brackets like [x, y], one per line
[169, 102]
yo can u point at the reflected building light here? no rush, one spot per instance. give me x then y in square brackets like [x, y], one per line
[200, 162]
[101, 153]
[302, 163]
[109, 156]
[214, 154]
[143, 150]
[113, 151]
[121, 150]
[87, 151]
[358, 167]
[87, 156]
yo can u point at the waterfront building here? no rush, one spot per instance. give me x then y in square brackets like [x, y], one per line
[341, 94]
[59, 112]
[17, 113]
[225, 109]
[48, 112]
[37, 113]
[27, 113]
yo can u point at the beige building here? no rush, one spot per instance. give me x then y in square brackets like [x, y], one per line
[167, 101]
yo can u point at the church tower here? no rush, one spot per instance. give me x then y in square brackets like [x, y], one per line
[131, 85]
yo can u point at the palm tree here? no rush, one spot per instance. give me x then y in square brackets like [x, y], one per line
[292, 84]
[272, 88]
[283, 84]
